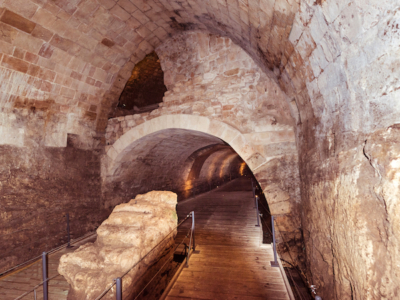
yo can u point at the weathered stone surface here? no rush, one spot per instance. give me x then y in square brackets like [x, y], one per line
[335, 62]
[343, 216]
[128, 235]
[36, 185]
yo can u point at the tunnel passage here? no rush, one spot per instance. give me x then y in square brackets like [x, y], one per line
[187, 162]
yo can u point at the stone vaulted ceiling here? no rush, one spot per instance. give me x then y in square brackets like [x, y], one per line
[74, 57]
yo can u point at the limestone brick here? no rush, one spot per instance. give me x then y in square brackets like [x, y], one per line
[24, 8]
[332, 64]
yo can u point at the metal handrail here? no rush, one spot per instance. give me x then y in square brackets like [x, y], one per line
[275, 263]
[44, 267]
[35, 287]
[187, 264]
[48, 252]
[118, 280]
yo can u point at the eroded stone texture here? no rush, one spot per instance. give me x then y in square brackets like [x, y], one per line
[336, 63]
[351, 219]
[38, 186]
[127, 236]
[284, 201]
[347, 49]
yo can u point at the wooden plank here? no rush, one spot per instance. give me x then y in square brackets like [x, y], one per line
[23, 280]
[231, 264]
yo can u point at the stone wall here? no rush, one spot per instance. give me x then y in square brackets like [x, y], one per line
[347, 50]
[334, 63]
[79, 54]
[209, 76]
[38, 187]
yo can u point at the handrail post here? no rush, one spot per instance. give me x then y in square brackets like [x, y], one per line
[118, 288]
[68, 232]
[193, 227]
[187, 255]
[44, 274]
[275, 262]
[254, 192]
[257, 212]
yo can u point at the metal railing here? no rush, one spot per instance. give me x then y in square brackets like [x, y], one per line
[45, 279]
[66, 245]
[275, 262]
[191, 246]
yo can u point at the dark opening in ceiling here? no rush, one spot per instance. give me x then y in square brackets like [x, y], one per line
[145, 87]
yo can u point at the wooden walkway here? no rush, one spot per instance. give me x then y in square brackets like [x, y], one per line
[231, 264]
[17, 283]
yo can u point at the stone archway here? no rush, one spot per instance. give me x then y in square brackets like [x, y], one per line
[282, 195]
[216, 128]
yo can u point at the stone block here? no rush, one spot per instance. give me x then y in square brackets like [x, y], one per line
[306, 45]
[22, 7]
[130, 232]
[8, 33]
[19, 53]
[33, 70]
[349, 22]
[203, 45]
[17, 21]
[119, 12]
[6, 48]
[68, 5]
[100, 74]
[15, 64]
[46, 74]
[280, 208]
[255, 160]
[76, 64]
[46, 51]
[127, 6]
[61, 43]
[284, 223]
[44, 18]
[318, 26]
[67, 92]
[42, 33]
[332, 9]
[107, 4]
[216, 44]
[242, 147]
[142, 5]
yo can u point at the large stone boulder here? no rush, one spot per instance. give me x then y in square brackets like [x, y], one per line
[131, 231]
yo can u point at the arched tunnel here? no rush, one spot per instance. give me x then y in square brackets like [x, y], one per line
[186, 162]
[102, 100]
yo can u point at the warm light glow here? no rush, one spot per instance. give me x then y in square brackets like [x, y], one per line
[226, 164]
[241, 170]
[213, 164]
[188, 187]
